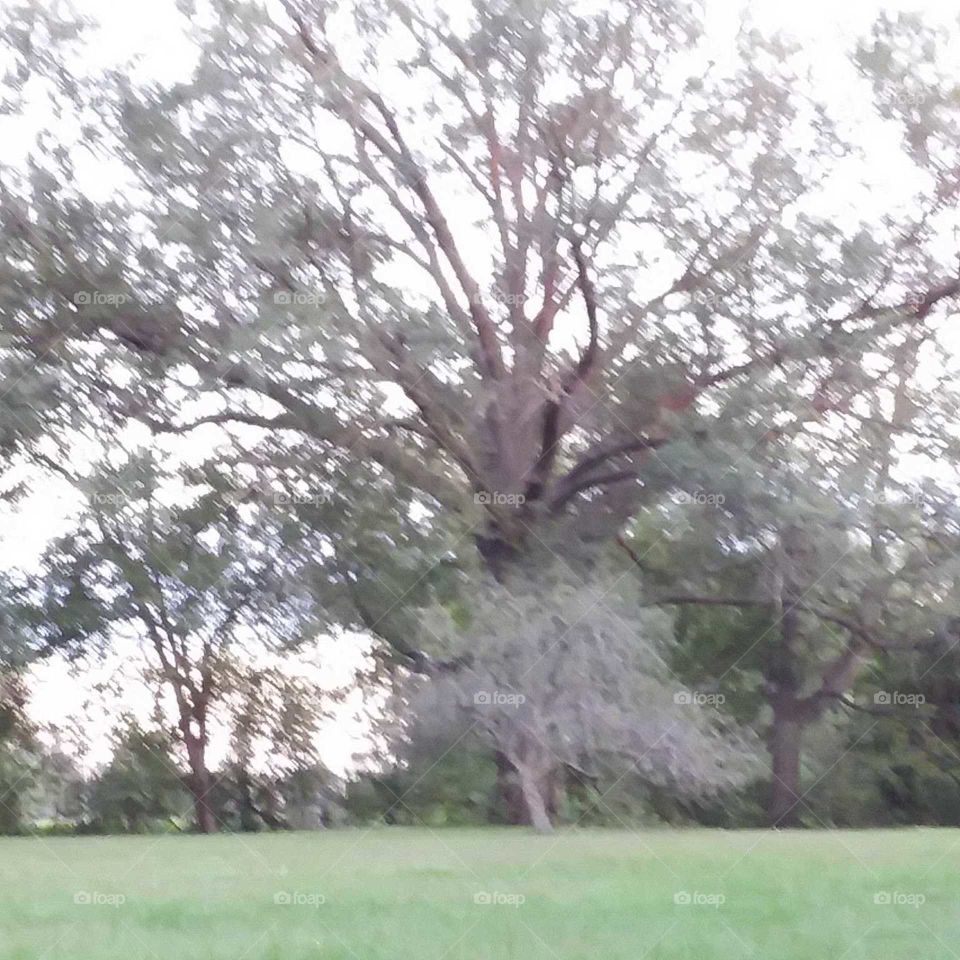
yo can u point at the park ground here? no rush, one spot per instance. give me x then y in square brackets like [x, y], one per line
[419, 894]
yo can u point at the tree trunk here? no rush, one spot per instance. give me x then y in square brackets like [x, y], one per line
[249, 822]
[783, 674]
[509, 796]
[528, 790]
[784, 745]
[201, 785]
[535, 804]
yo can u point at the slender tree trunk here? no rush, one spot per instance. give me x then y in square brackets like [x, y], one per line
[249, 821]
[509, 797]
[535, 804]
[785, 747]
[527, 791]
[201, 785]
[784, 676]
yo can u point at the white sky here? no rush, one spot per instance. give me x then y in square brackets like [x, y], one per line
[153, 28]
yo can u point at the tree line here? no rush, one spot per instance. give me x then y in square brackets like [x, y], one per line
[528, 346]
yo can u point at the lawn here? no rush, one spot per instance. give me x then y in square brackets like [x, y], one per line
[417, 894]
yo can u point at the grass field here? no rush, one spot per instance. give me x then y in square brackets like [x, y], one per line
[405, 894]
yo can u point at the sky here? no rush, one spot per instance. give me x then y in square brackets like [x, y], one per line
[153, 30]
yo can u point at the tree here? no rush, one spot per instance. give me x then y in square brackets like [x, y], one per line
[800, 571]
[190, 582]
[563, 130]
[141, 784]
[18, 753]
[301, 252]
[552, 690]
[273, 716]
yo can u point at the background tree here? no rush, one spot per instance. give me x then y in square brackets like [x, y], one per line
[188, 583]
[790, 578]
[552, 690]
[142, 785]
[274, 718]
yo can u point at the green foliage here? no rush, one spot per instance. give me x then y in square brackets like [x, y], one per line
[18, 777]
[142, 787]
[455, 788]
[433, 420]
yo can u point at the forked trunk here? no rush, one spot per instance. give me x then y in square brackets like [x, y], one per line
[527, 789]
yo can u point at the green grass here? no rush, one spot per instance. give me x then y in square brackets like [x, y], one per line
[409, 894]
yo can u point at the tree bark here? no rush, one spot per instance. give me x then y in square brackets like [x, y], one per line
[535, 804]
[249, 822]
[509, 797]
[527, 791]
[785, 745]
[201, 785]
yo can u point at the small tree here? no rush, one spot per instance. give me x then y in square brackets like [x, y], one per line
[141, 784]
[576, 679]
[187, 582]
[273, 714]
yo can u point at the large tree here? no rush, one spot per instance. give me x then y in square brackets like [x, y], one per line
[345, 213]
[526, 264]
